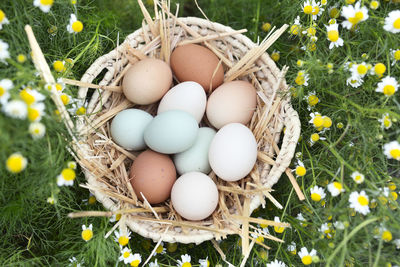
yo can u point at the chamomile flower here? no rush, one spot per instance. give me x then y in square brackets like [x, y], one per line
[60, 85]
[160, 249]
[295, 29]
[5, 86]
[4, 54]
[358, 177]
[307, 7]
[306, 258]
[66, 177]
[65, 99]
[154, 264]
[74, 262]
[278, 229]
[334, 12]
[388, 86]
[36, 111]
[31, 96]
[339, 225]
[115, 217]
[172, 247]
[300, 169]
[374, 5]
[317, 9]
[378, 70]
[355, 81]
[354, 15]
[332, 32]
[87, 232]
[122, 237]
[3, 19]
[204, 262]
[37, 130]
[276, 263]
[385, 121]
[91, 200]
[386, 235]
[16, 163]
[316, 120]
[312, 99]
[21, 58]
[126, 255]
[302, 78]
[59, 66]
[317, 193]
[392, 22]
[292, 248]
[16, 109]
[275, 56]
[135, 260]
[51, 200]
[44, 5]
[266, 26]
[392, 150]
[359, 202]
[74, 25]
[326, 230]
[185, 262]
[72, 165]
[335, 188]
[300, 63]
[257, 235]
[359, 70]
[395, 53]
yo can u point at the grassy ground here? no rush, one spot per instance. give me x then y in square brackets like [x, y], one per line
[35, 232]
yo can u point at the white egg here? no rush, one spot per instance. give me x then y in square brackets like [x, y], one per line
[186, 96]
[233, 152]
[194, 196]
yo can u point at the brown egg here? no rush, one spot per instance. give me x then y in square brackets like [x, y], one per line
[147, 81]
[196, 63]
[153, 174]
[233, 101]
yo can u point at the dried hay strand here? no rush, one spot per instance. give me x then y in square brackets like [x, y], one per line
[105, 164]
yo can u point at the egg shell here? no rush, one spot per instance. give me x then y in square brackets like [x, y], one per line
[171, 132]
[233, 101]
[186, 96]
[196, 63]
[233, 152]
[147, 81]
[196, 157]
[194, 196]
[127, 128]
[153, 174]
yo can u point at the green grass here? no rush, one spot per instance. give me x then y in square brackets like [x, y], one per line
[36, 233]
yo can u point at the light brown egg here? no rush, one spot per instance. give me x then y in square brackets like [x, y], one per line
[196, 63]
[233, 101]
[153, 174]
[147, 81]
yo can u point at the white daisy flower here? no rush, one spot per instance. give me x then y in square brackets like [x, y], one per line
[16, 163]
[74, 262]
[87, 232]
[72, 165]
[374, 5]
[325, 230]
[316, 120]
[161, 249]
[278, 229]
[306, 258]
[354, 15]
[37, 130]
[317, 193]
[385, 121]
[312, 99]
[122, 237]
[185, 259]
[135, 260]
[44, 5]
[333, 35]
[300, 170]
[315, 137]
[295, 29]
[317, 10]
[395, 53]
[31, 96]
[354, 81]
[292, 248]
[392, 150]
[4, 54]
[154, 264]
[16, 109]
[3, 19]
[5, 86]
[335, 188]
[66, 177]
[307, 7]
[339, 225]
[126, 255]
[396, 242]
[258, 235]
[388, 86]
[359, 202]
[74, 25]
[115, 217]
[392, 22]
[36, 111]
[358, 177]
[302, 78]
[276, 263]
[359, 70]
[204, 262]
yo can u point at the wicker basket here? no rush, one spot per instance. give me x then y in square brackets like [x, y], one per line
[105, 165]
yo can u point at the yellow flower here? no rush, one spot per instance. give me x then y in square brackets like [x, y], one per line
[266, 26]
[16, 163]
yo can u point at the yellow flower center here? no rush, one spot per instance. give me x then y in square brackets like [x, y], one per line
[59, 87]
[172, 247]
[338, 186]
[59, 66]
[315, 10]
[15, 163]
[260, 239]
[318, 121]
[312, 47]
[383, 200]
[387, 236]
[46, 2]
[65, 99]
[87, 234]
[358, 178]
[118, 217]
[279, 229]
[306, 260]
[315, 137]
[334, 12]
[311, 31]
[159, 249]
[374, 4]
[300, 80]
[359, 15]
[186, 264]
[316, 197]
[2, 15]
[275, 56]
[77, 26]
[362, 69]
[36, 131]
[308, 9]
[126, 254]
[301, 171]
[362, 200]
[349, 2]
[380, 68]
[81, 111]
[397, 55]
[135, 263]
[92, 200]
[295, 29]
[327, 122]
[333, 35]
[27, 97]
[387, 122]
[68, 174]
[294, 252]
[392, 186]
[266, 26]
[389, 89]
[393, 196]
[2, 91]
[123, 240]
[395, 153]
[33, 114]
[21, 58]
[313, 100]
[396, 24]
